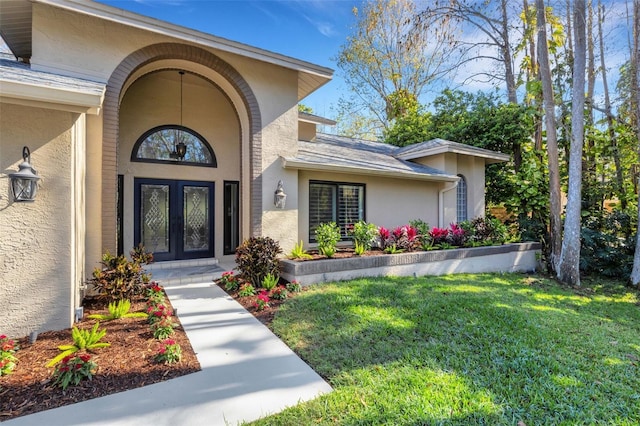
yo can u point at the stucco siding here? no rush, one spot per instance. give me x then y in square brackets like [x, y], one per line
[37, 238]
[388, 202]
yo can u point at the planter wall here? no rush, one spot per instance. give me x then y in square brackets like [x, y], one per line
[520, 257]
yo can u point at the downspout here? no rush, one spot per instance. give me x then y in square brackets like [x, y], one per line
[441, 202]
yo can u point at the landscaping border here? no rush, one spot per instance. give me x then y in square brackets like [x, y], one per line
[515, 257]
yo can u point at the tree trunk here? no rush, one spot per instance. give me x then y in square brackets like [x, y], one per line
[609, 114]
[635, 63]
[555, 231]
[569, 264]
[592, 198]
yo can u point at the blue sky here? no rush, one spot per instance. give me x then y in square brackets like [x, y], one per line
[311, 30]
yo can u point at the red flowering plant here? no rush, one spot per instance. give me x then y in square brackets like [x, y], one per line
[229, 281]
[262, 301]
[401, 238]
[155, 294]
[169, 352]
[7, 359]
[158, 312]
[163, 328]
[438, 235]
[279, 293]
[457, 235]
[73, 369]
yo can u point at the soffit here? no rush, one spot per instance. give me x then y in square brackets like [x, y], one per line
[15, 26]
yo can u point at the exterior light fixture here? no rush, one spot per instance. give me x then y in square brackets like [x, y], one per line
[24, 183]
[279, 198]
[180, 149]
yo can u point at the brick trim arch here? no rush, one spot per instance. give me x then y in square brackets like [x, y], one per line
[111, 107]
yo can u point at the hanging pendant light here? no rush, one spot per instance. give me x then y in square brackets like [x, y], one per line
[180, 148]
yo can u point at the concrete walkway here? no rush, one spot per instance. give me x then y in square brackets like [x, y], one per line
[247, 373]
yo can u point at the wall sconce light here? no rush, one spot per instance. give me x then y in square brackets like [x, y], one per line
[279, 198]
[180, 150]
[24, 183]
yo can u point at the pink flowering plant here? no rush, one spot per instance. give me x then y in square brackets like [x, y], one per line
[438, 235]
[155, 294]
[158, 312]
[169, 352]
[163, 328]
[279, 293]
[457, 235]
[7, 359]
[73, 369]
[262, 301]
[401, 238]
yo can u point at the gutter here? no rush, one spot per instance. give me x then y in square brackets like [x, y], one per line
[441, 202]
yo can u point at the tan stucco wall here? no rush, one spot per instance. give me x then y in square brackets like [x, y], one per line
[388, 202]
[153, 100]
[38, 239]
[473, 169]
[89, 47]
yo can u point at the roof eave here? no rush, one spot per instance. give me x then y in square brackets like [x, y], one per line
[310, 76]
[489, 157]
[289, 163]
[55, 98]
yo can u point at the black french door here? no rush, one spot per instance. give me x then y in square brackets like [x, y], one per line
[174, 218]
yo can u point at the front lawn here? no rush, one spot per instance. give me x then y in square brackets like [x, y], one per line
[466, 349]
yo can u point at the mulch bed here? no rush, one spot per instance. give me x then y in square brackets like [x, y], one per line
[126, 364]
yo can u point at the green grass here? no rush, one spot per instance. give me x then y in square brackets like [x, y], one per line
[466, 349]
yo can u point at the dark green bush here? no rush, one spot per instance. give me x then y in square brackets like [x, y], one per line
[121, 278]
[607, 244]
[257, 257]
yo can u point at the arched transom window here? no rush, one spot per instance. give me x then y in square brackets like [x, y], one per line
[461, 202]
[174, 144]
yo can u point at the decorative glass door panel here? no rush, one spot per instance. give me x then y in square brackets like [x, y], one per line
[155, 217]
[174, 219]
[196, 214]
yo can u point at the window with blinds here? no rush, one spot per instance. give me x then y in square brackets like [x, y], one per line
[342, 203]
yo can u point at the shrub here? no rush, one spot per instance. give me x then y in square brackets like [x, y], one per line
[82, 340]
[358, 249]
[121, 278]
[363, 234]
[74, 369]
[7, 357]
[256, 257]
[607, 245]
[422, 227]
[327, 236]
[489, 230]
[118, 310]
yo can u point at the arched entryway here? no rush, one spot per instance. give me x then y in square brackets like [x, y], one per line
[219, 107]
